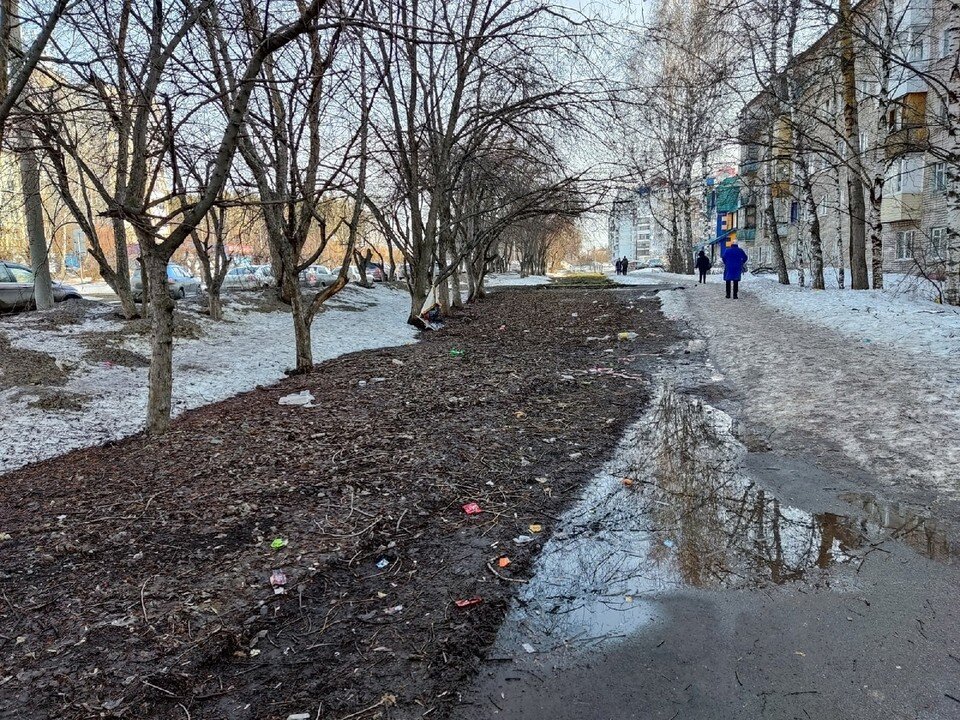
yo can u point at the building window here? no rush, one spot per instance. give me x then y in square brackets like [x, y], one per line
[938, 242]
[918, 48]
[945, 43]
[864, 141]
[940, 176]
[794, 212]
[905, 244]
[894, 121]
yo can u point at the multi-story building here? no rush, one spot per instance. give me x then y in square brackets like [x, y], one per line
[633, 230]
[902, 138]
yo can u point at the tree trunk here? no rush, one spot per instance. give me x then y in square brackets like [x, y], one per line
[455, 282]
[442, 286]
[419, 289]
[951, 294]
[302, 335]
[876, 232]
[770, 210]
[841, 275]
[855, 189]
[161, 343]
[774, 234]
[214, 303]
[816, 242]
[36, 232]
[122, 287]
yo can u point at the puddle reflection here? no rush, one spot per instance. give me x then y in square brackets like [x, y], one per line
[687, 517]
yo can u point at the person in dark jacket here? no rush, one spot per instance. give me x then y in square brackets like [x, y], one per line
[625, 264]
[619, 266]
[703, 265]
[734, 259]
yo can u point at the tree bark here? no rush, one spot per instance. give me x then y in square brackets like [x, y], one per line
[302, 335]
[876, 232]
[951, 294]
[161, 341]
[855, 189]
[36, 231]
[816, 242]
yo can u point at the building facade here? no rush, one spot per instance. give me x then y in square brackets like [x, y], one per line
[633, 230]
[795, 155]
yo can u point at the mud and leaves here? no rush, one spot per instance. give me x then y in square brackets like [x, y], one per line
[23, 367]
[136, 578]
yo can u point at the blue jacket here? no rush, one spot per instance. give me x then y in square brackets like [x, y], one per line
[734, 258]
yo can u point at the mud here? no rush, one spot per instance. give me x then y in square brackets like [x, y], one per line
[20, 367]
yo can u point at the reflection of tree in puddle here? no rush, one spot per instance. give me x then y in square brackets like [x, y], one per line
[923, 534]
[689, 518]
[714, 525]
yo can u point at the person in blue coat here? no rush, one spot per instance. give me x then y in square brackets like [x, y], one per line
[734, 259]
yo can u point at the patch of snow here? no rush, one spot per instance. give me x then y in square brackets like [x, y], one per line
[514, 280]
[872, 375]
[249, 349]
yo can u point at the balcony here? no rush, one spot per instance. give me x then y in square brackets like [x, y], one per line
[901, 207]
[906, 80]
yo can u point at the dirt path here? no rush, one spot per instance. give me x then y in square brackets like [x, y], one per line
[136, 578]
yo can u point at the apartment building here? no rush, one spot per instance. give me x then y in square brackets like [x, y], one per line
[633, 229]
[902, 138]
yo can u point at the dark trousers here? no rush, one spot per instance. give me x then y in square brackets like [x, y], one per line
[736, 286]
[703, 276]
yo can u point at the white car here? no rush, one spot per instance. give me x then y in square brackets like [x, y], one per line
[240, 278]
[318, 276]
[264, 275]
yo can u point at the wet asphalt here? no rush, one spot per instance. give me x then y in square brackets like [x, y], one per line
[696, 579]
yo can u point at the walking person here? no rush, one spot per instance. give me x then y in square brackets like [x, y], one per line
[734, 259]
[617, 264]
[703, 265]
[625, 264]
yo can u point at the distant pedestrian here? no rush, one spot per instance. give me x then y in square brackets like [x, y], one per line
[619, 266]
[625, 264]
[703, 264]
[734, 259]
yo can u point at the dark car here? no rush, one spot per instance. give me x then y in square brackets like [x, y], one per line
[16, 288]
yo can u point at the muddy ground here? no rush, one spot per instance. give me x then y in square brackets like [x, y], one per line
[136, 578]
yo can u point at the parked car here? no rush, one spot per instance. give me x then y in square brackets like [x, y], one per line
[264, 275]
[240, 278]
[317, 276]
[180, 283]
[16, 288]
[376, 272]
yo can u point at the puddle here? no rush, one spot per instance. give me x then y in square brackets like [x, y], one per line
[924, 534]
[674, 512]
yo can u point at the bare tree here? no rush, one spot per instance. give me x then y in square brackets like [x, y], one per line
[310, 179]
[162, 51]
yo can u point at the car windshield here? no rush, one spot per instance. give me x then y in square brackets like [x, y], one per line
[21, 275]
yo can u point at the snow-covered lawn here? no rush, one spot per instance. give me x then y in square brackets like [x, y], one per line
[514, 280]
[871, 375]
[250, 348]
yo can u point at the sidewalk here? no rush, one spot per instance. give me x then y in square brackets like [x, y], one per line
[862, 378]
